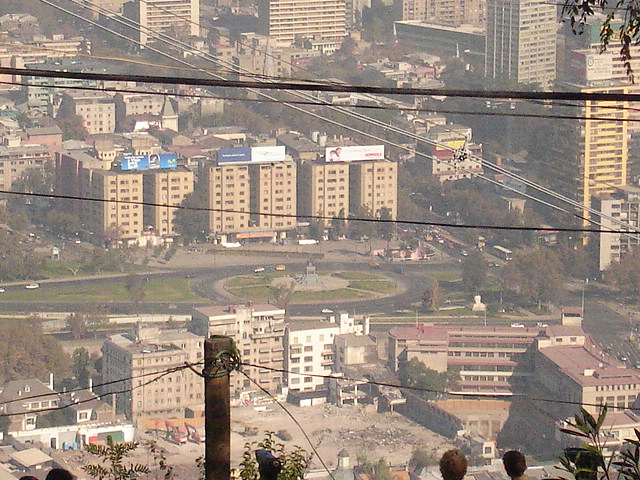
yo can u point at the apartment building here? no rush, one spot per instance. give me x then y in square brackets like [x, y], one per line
[521, 41]
[258, 332]
[486, 357]
[138, 104]
[374, 185]
[227, 187]
[16, 158]
[165, 187]
[450, 153]
[68, 168]
[273, 191]
[145, 351]
[444, 12]
[116, 221]
[177, 19]
[324, 189]
[624, 205]
[97, 110]
[289, 20]
[310, 349]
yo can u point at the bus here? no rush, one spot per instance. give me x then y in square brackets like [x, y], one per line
[503, 253]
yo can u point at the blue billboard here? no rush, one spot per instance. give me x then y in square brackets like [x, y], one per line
[149, 162]
[233, 155]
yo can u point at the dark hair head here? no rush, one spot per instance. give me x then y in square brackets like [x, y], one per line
[514, 463]
[28, 477]
[453, 465]
[60, 474]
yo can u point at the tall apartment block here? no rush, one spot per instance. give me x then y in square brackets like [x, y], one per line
[289, 20]
[257, 331]
[521, 41]
[15, 158]
[97, 110]
[324, 189]
[624, 204]
[242, 187]
[175, 18]
[115, 220]
[139, 355]
[165, 187]
[374, 185]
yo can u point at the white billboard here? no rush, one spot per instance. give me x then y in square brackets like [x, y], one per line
[268, 154]
[599, 66]
[354, 154]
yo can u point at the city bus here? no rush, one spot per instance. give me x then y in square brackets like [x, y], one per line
[503, 253]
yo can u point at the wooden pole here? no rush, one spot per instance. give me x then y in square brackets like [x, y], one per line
[217, 408]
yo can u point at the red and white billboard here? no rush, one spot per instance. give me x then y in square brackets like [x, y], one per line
[354, 154]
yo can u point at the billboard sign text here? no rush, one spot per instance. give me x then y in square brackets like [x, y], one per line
[149, 162]
[233, 155]
[354, 153]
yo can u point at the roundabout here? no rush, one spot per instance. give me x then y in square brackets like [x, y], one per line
[311, 286]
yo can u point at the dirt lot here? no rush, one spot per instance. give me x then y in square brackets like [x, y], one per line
[330, 428]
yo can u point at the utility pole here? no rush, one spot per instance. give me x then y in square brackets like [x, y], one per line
[218, 353]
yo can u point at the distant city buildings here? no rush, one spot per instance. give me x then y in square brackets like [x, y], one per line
[145, 351]
[521, 41]
[258, 332]
[178, 19]
[97, 109]
[320, 22]
[444, 12]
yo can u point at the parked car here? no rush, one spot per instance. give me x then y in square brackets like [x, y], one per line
[280, 268]
[32, 286]
[517, 325]
[2, 290]
[327, 310]
[259, 270]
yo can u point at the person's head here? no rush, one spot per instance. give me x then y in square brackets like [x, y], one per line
[514, 463]
[60, 474]
[453, 465]
[28, 477]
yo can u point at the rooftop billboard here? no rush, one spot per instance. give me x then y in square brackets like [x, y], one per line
[149, 162]
[234, 155]
[253, 154]
[354, 154]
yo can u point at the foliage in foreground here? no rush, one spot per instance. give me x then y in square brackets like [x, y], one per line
[593, 459]
[294, 463]
[112, 464]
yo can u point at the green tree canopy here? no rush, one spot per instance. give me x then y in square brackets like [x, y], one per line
[432, 296]
[474, 271]
[191, 223]
[536, 273]
[415, 373]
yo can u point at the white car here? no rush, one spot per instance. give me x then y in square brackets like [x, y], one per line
[259, 270]
[327, 310]
[32, 286]
[517, 325]
[2, 290]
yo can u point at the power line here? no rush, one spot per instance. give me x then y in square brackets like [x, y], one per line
[320, 103]
[437, 391]
[314, 217]
[321, 87]
[172, 43]
[82, 389]
[63, 407]
[292, 417]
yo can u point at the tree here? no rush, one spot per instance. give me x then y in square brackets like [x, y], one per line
[17, 261]
[385, 227]
[338, 226]
[361, 229]
[432, 296]
[77, 325]
[72, 127]
[421, 457]
[33, 354]
[283, 291]
[536, 273]
[416, 374]
[192, 222]
[381, 470]
[135, 287]
[81, 359]
[106, 260]
[63, 223]
[316, 229]
[112, 464]
[474, 271]
[625, 275]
